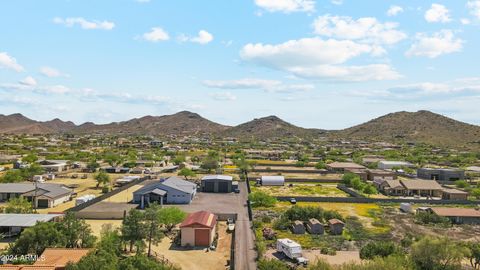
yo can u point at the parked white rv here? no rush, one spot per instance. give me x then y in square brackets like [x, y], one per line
[291, 249]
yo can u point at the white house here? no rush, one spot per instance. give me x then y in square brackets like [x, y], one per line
[388, 165]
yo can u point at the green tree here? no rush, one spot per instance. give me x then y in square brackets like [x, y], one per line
[113, 159]
[30, 158]
[35, 239]
[133, 229]
[179, 159]
[18, 205]
[348, 178]
[475, 193]
[170, 216]
[12, 176]
[153, 226]
[378, 249]
[461, 184]
[77, 232]
[102, 178]
[437, 254]
[261, 199]
[320, 165]
[474, 255]
[209, 164]
[370, 189]
[186, 172]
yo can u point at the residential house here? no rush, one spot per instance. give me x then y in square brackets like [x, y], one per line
[14, 224]
[54, 165]
[423, 188]
[173, 190]
[46, 195]
[441, 174]
[388, 165]
[343, 166]
[198, 229]
[390, 187]
[458, 215]
[454, 194]
[375, 174]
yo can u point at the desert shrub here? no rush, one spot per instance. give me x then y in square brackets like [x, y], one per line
[378, 249]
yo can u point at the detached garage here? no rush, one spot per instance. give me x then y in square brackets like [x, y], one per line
[198, 229]
[217, 183]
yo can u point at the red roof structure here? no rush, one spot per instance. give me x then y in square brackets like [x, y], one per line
[200, 219]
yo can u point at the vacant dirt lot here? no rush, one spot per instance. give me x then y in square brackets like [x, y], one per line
[302, 189]
[200, 259]
[97, 225]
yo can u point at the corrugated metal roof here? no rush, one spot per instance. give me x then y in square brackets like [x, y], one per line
[202, 218]
[218, 176]
[25, 220]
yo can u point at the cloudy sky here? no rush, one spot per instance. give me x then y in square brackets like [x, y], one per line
[316, 63]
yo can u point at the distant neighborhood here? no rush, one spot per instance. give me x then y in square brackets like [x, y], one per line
[233, 202]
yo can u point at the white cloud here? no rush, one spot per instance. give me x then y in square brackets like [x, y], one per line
[56, 89]
[466, 87]
[373, 72]
[367, 29]
[306, 51]
[465, 21]
[394, 11]
[142, 1]
[474, 7]
[442, 42]
[29, 80]
[223, 96]
[437, 13]
[315, 58]
[85, 24]
[203, 38]
[7, 61]
[337, 2]
[286, 6]
[265, 85]
[156, 34]
[51, 72]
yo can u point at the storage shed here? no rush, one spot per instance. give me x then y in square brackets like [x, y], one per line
[217, 183]
[297, 227]
[314, 226]
[198, 229]
[336, 226]
[272, 180]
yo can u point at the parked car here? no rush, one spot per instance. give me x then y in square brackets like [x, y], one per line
[293, 200]
[237, 190]
[231, 227]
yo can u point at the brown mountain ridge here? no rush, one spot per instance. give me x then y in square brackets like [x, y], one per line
[421, 126]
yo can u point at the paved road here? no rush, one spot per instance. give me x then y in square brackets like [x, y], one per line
[222, 203]
[245, 253]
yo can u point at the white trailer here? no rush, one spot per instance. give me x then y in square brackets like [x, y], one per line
[291, 249]
[84, 199]
[272, 180]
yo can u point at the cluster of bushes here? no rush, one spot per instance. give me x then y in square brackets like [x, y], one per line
[353, 181]
[431, 218]
[261, 199]
[304, 214]
[20, 175]
[428, 253]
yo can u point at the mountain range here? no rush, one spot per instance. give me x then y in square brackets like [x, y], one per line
[421, 126]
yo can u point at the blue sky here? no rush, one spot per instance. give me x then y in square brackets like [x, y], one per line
[316, 63]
